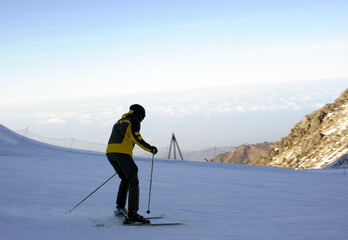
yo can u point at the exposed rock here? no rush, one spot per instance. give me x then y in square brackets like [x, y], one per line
[246, 154]
[318, 140]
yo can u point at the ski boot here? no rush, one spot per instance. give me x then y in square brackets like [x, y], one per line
[120, 212]
[133, 217]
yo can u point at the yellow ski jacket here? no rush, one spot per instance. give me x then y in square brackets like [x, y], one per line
[125, 134]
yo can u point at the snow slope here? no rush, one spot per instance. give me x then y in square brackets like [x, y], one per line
[38, 186]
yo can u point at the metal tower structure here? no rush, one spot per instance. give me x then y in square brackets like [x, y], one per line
[175, 145]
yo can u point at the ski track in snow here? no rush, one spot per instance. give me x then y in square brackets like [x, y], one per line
[38, 186]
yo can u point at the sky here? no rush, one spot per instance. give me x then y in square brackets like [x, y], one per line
[216, 73]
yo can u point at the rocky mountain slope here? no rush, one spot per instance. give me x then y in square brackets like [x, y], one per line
[245, 154]
[318, 140]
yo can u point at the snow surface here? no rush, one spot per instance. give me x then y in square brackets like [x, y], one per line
[38, 186]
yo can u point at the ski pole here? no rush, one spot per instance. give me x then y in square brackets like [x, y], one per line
[91, 193]
[148, 206]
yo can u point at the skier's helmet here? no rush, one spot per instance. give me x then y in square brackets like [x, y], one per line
[139, 111]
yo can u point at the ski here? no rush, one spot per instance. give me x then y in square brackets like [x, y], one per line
[154, 224]
[112, 222]
[151, 217]
[156, 217]
[141, 224]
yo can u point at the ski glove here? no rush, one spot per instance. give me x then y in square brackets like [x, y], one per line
[154, 150]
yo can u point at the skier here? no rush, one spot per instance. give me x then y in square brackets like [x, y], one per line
[125, 133]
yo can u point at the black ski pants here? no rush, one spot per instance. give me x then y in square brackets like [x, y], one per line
[127, 170]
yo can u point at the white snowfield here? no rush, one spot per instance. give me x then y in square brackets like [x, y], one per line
[38, 186]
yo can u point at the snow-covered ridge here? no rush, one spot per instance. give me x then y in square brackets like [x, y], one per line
[12, 140]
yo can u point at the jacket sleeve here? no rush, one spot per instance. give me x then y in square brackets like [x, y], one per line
[136, 137]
